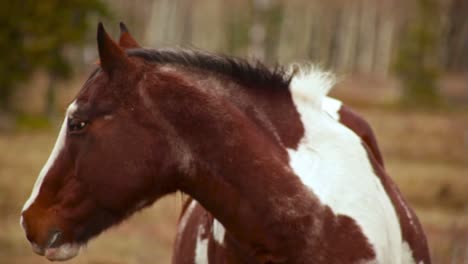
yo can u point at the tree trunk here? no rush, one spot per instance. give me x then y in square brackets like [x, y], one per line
[162, 29]
[457, 37]
[384, 40]
[258, 29]
[187, 21]
[366, 36]
[347, 37]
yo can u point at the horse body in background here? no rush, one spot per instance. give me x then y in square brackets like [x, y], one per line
[278, 172]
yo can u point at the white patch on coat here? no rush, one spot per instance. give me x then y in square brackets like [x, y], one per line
[59, 144]
[201, 247]
[185, 217]
[332, 107]
[218, 232]
[332, 162]
[407, 257]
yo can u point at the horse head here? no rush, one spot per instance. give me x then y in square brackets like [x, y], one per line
[109, 160]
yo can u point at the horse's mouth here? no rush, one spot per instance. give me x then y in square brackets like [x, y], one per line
[55, 252]
[62, 252]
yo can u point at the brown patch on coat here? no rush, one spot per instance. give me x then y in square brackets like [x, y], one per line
[362, 128]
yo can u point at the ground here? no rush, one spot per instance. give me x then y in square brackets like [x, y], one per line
[425, 153]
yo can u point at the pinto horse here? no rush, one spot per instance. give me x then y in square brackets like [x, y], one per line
[277, 171]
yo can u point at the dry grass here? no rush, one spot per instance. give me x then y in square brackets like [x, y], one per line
[426, 153]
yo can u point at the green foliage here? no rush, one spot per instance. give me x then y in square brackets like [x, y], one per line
[416, 63]
[273, 18]
[237, 30]
[34, 34]
[239, 25]
[31, 122]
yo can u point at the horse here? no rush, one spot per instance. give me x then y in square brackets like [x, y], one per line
[276, 170]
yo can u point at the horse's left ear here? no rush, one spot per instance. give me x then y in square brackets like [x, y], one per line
[112, 57]
[126, 40]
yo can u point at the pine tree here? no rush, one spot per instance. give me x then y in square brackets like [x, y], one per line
[34, 35]
[416, 62]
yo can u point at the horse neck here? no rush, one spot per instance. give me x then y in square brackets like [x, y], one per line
[240, 171]
[272, 110]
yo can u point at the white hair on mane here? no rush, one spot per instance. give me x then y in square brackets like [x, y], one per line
[310, 83]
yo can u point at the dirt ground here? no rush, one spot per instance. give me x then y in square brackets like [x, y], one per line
[426, 154]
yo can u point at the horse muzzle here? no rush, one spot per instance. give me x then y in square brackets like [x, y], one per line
[55, 251]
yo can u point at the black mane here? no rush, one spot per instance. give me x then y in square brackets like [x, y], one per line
[239, 70]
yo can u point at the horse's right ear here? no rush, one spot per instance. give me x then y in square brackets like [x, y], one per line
[126, 40]
[111, 56]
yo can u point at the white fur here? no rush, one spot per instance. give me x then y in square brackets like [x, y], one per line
[407, 255]
[332, 162]
[63, 252]
[201, 247]
[310, 84]
[53, 156]
[331, 106]
[218, 232]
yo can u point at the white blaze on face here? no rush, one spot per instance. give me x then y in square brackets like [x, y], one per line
[59, 144]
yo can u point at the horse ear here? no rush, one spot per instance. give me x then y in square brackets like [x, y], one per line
[126, 40]
[111, 56]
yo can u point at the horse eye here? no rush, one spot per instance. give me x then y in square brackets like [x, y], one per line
[76, 125]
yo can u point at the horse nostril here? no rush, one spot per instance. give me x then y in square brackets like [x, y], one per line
[54, 239]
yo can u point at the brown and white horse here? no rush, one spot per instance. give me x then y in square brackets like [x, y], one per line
[278, 172]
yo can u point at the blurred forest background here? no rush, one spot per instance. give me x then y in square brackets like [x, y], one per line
[402, 64]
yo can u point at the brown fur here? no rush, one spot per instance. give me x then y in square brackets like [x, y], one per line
[155, 128]
[359, 126]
